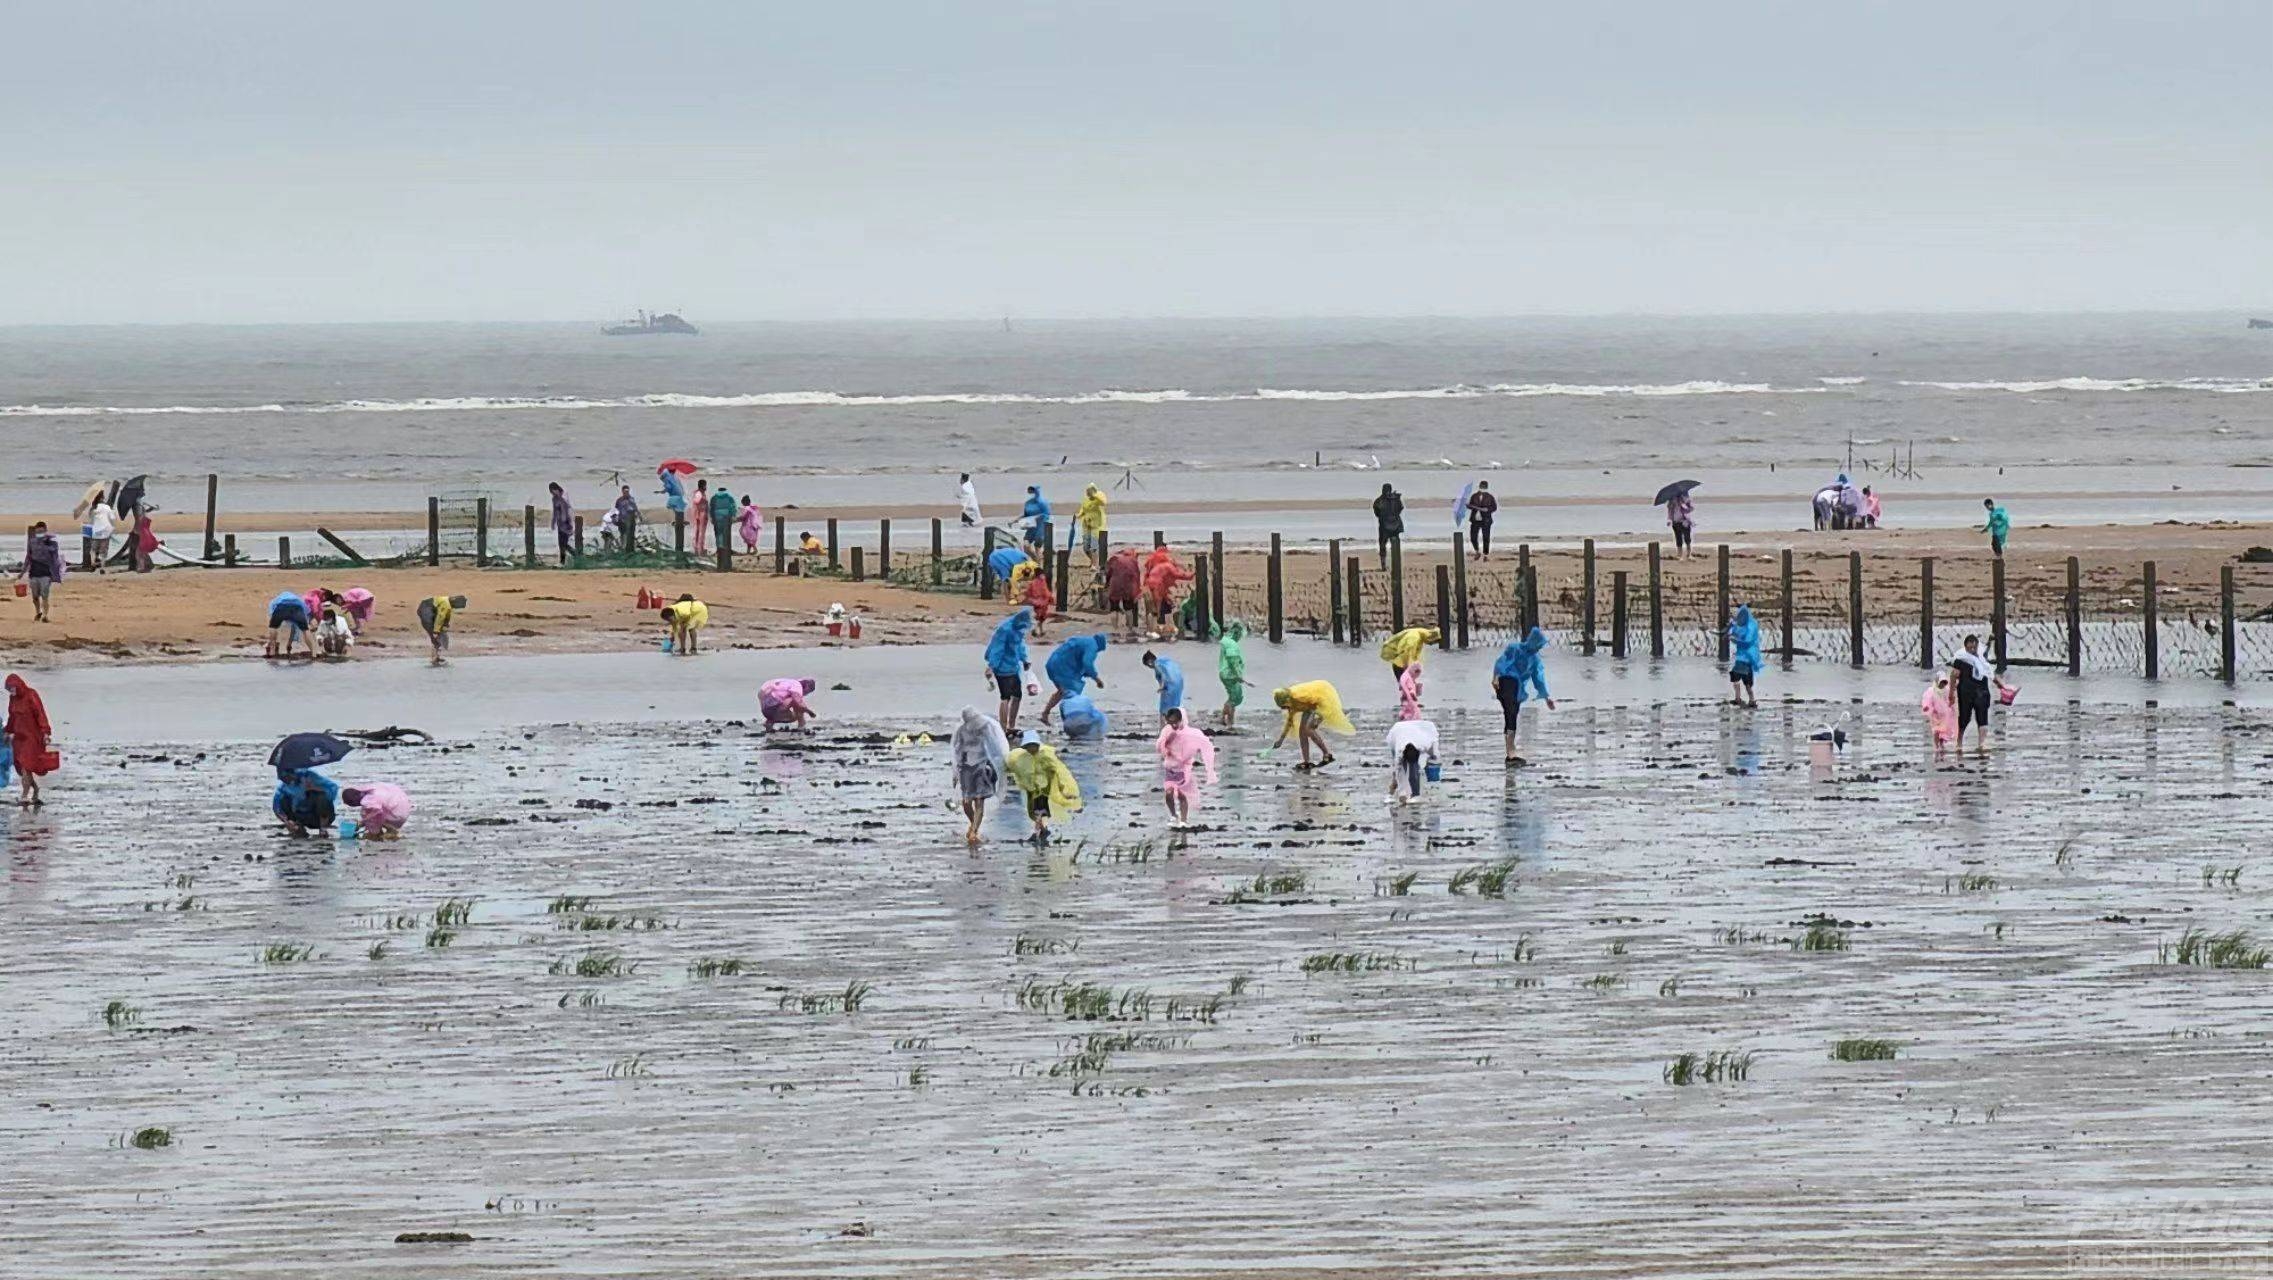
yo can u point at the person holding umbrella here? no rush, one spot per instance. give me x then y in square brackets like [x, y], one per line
[1680, 514]
[306, 801]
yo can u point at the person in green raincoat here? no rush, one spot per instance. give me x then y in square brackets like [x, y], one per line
[1231, 668]
[723, 510]
[1051, 792]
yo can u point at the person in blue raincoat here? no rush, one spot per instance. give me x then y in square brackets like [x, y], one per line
[1036, 514]
[1004, 562]
[1518, 673]
[1743, 657]
[1007, 664]
[1082, 719]
[1170, 676]
[304, 801]
[1070, 668]
[674, 492]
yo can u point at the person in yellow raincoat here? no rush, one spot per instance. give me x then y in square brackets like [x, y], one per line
[685, 617]
[1311, 706]
[1402, 649]
[1090, 515]
[1051, 792]
[1014, 590]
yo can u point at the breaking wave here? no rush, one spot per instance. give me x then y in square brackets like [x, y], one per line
[2219, 385]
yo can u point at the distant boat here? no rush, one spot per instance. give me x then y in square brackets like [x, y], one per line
[660, 322]
[2260, 324]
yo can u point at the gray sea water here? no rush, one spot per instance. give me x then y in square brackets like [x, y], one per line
[510, 405]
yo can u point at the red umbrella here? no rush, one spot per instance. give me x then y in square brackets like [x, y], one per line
[680, 465]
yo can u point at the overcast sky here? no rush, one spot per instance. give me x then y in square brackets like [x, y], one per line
[545, 159]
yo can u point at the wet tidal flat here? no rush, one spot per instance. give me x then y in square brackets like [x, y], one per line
[678, 999]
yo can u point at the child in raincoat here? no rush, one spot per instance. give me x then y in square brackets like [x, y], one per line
[1004, 563]
[686, 617]
[1409, 692]
[1743, 657]
[1007, 663]
[1181, 746]
[782, 702]
[1038, 596]
[1519, 671]
[1091, 517]
[1403, 648]
[1939, 706]
[359, 603]
[434, 614]
[381, 810]
[1169, 675]
[1051, 792]
[982, 761]
[1231, 668]
[1071, 666]
[1311, 706]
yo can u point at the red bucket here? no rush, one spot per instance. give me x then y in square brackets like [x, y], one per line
[836, 628]
[23, 589]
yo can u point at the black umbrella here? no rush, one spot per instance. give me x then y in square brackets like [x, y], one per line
[129, 495]
[307, 751]
[1672, 491]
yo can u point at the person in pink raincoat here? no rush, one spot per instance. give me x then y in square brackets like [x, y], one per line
[383, 809]
[1409, 691]
[1182, 747]
[1939, 706]
[753, 522]
[359, 602]
[782, 701]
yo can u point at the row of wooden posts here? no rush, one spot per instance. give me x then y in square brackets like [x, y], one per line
[1345, 590]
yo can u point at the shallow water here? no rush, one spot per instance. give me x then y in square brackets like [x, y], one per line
[2061, 1104]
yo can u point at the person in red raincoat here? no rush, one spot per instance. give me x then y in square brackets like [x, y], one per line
[1161, 574]
[29, 735]
[1041, 599]
[1124, 582]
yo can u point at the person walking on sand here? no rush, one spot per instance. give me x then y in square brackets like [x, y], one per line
[1090, 515]
[753, 522]
[434, 615]
[1412, 747]
[1999, 526]
[1482, 509]
[1388, 519]
[1181, 746]
[1310, 707]
[563, 520]
[31, 740]
[1007, 664]
[1977, 685]
[1231, 669]
[686, 617]
[43, 568]
[982, 760]
[1939, 706]
[967, 495]
[382, 809]
[1071, 666]
[288, 624]
[1168, 674]
[1050, 790]
[102, 523]
[1743, 657]
[1403, 648]
[1681, 517]
[1521, 670]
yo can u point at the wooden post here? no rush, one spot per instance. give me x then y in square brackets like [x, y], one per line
[1997, 610]
[1586, 606]
[1396, 584]
[481, 533]
[726, 555]
[528, 537]
[2226, 623]
[1215, 557]
[284, 553]
[938, 559]
[212, 512]
[2075, 616]
[1274, 592]
[1855, 606]
[1460, 589]
[834, 561]
[1657, 604]
[229, 551]
[577, 544]
[1720, 600]
[1526, 588]
[2153, 607]
[1065, 580]
[86, 553]
[859, 564]
[433, 532]
[1200, 603]
[679, 536]
[884, 549]
[1787, 610]
[1443, 606]
[1926, 612]
[1159, 539]
[986, 571]
[1618, 613]
[1357, 603]
[781, 544]
[1334, 585]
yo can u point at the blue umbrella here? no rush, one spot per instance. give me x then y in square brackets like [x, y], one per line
[1460, 508]
[307, 751]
